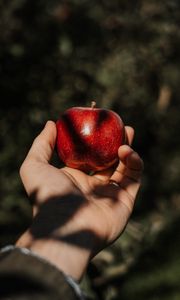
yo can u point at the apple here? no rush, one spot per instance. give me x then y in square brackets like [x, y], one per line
[88, 138]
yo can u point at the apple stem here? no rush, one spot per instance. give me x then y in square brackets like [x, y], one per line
[93, 104]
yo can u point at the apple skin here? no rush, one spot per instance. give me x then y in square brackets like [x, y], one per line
[88, 138]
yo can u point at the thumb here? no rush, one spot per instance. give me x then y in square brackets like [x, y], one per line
[43, 145]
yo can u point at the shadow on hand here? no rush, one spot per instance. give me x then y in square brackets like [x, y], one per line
[54, 214]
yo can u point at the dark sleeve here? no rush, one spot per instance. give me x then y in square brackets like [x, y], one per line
[24, 276]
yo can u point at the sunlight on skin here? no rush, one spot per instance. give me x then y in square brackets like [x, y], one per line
[102, 212]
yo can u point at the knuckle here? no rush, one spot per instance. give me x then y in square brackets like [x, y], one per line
[23, 168]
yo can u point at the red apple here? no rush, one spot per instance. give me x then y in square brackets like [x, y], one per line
[88, 138]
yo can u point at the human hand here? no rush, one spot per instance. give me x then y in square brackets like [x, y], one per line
[75, 215]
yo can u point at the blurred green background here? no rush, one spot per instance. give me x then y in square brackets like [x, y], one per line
[125, 55]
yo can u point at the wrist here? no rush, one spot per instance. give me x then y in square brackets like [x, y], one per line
[68, 257]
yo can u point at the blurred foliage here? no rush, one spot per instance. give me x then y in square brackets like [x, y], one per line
[125, 55]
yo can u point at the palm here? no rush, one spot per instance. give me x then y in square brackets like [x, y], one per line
[92, 205]
[107, 208]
